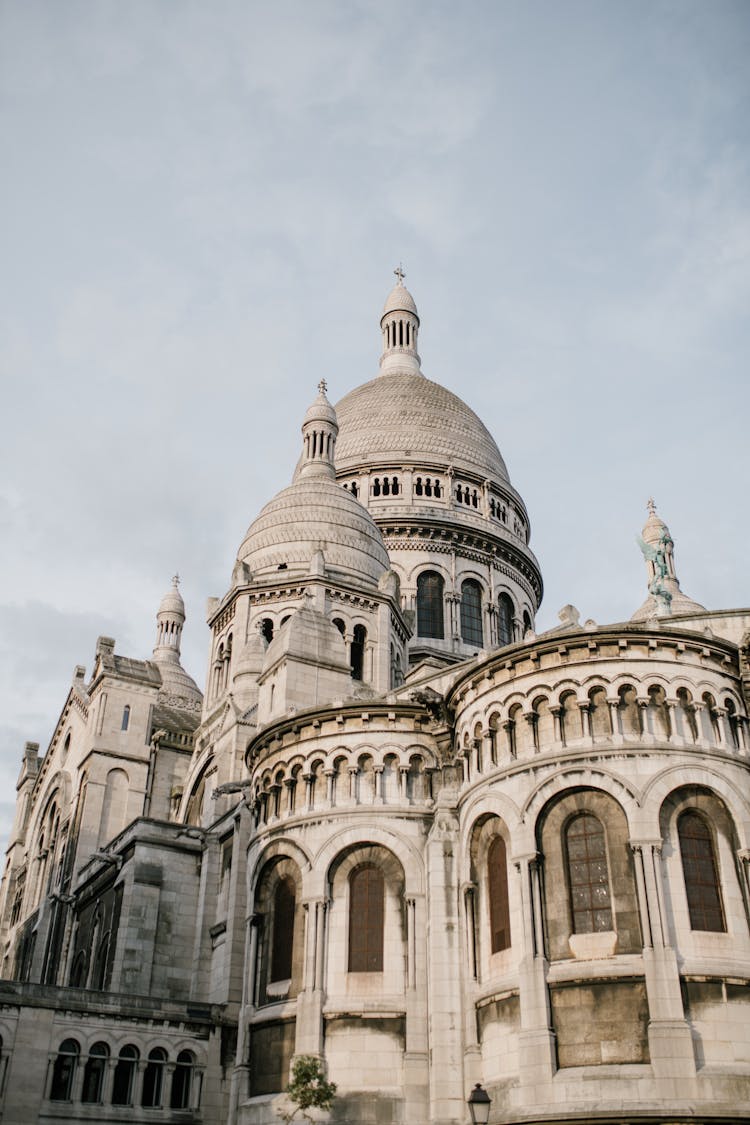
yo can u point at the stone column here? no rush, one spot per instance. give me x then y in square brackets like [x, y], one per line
[536, 1037]
[509, 726]
[240, 1083]
[669, 1036]
[613, 704]
[309, 1028]
[446, 966]
[588, 734]
[674, 735]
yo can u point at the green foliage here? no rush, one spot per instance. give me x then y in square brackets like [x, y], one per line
[308, 1088]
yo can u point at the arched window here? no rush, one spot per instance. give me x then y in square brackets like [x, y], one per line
[588, 875]
[125, 717]
[79, 970]
[339, 625]
[366, 919]
[283, 931]
[471, 613]
[430, 605]
[99, 975]
[266, 628]
[93, 1074]
[182, 1080]
[153, 1078]
[505, 620]
[497, 889]
[124, 1076]
[526, 622]
[700, 874]
[359, 637]
[63, 1071]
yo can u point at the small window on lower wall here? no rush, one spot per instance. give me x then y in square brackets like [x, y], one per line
[700, 874]
[588, 875]
[366, 917]
[124, 1076]
[153, 1078]
[63, 1071]
[182, 1081]
[94, 1073]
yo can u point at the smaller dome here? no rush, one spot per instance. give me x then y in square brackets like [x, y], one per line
[172, 602]
[400, 299]
[320, 410]
[309, 516]
[654, 527]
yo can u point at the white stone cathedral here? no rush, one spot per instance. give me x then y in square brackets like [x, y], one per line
[401, 831]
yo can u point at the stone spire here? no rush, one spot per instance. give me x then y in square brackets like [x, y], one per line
[319, 432]
[170, 620]
[665, 598]
[400, 327]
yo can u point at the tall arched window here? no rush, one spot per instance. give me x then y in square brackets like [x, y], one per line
[63, 1071]
[700, 874]
[588, 875]
[497, 888]
[125, 717]
[366, 919]
[283, 931]
[153, 1078]
[430, 605]
[182, 1080]
[471, 613]
[93, 1074]
[359, 636]
[505, 620]
[124, 1076]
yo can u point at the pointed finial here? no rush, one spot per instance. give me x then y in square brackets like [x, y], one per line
[651, 507]
[322, 387]
[400, 275]
[175, 580]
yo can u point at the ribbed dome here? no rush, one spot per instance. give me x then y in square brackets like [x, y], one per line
[406, 416]
[399, 300]
[313, 515]
[320, 410]
[172, 602]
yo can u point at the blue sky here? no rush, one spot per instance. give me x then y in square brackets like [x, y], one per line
[201, 206]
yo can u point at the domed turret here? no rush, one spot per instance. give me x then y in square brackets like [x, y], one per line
[316, 514]
[400, 327]
[177, 685]
[170, 619]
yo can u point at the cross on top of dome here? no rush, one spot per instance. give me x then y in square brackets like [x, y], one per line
[400, 275]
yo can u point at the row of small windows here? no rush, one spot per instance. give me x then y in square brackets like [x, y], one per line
[430, 611]
[184, 1089]
[400, 334]
[432, 487]
[385, 486]
[468, 496]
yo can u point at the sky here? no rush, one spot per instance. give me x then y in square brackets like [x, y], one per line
[201, 206]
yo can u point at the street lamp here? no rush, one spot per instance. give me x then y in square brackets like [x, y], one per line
[479, 1105]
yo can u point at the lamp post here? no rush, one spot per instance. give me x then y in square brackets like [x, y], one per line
[479, 1105]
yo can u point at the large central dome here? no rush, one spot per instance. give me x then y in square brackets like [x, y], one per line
[404, 416]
